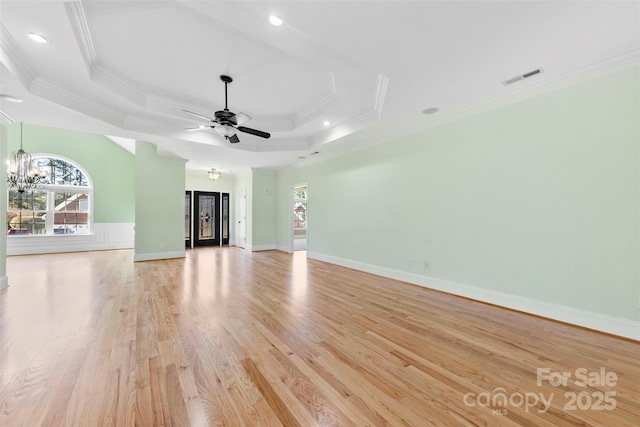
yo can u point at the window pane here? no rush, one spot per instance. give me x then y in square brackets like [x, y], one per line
[29, 200]
[60, 172]
[70, 223]
[71, 202]
[300, 215]
[24, 223]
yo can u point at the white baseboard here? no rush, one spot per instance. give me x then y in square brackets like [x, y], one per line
[4, 282]
[283, 248]
[588, 319]
[159, 255]
[104, 236]
[258, 248]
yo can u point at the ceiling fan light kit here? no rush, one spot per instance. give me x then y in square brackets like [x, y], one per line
[226, 122]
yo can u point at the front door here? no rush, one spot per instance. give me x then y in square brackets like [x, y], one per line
[206, 218]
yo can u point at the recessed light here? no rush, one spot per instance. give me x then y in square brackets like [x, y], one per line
[432, 110]
[301, 157]
[326, 123]
[38, 38]
[275, 21]
[314, 153]
[10, 98]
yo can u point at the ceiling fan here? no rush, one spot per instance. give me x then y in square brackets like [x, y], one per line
[227, 122]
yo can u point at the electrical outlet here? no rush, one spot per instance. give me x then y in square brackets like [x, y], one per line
[161, 245]
[426, 265]
[410, 262]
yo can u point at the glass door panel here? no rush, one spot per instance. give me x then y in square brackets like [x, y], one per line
[225, 218]
[187, 219]
[206, 218]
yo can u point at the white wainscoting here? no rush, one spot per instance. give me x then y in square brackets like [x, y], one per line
[104, 236]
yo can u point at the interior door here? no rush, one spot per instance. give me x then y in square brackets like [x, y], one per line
[206, 218]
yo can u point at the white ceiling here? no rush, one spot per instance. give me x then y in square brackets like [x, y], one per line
[127, 69]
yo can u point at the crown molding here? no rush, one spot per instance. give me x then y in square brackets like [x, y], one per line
[54, 92]
[314, 110]
[14, 59]
[6, 119]
[357, 122]
[119, 85]
[144, 124]
[576, 76]
[381, 93]
[570, 78]
[80, 26]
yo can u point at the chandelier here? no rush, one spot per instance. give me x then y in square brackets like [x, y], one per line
[22, 173]
[214, 174]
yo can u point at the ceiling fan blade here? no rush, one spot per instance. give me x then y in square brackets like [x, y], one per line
[198, 115]
[234, 139]
[240, 118]
[254, 132]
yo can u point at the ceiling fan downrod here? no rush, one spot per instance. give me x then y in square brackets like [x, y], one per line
[226, 80]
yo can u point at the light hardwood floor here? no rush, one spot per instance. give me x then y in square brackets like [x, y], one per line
[229, 338]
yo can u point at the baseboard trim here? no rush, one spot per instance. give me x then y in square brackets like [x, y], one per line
[587, 319]
[262, 248]
[159, 255]
[4, 282]
[283, 248]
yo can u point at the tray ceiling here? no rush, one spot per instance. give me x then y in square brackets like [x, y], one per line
[128, 68]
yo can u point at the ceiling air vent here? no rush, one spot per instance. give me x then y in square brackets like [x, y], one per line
[512, 80]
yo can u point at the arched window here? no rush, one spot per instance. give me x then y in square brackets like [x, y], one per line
[60, 204]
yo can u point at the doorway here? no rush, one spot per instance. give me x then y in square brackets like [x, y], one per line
[299, 214]
[207, 218]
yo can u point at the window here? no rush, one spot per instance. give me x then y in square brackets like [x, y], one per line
[300, 207]
[59, 205]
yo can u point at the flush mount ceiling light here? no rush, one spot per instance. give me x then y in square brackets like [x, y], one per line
[214, 174]
[38, 38]
[326, 123]
[10, 98]
[431, 110]
[275, 21]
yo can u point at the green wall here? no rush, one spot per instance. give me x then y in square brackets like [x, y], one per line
[263, 226]
[538, 199]
[159, 204]
[110, 167]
